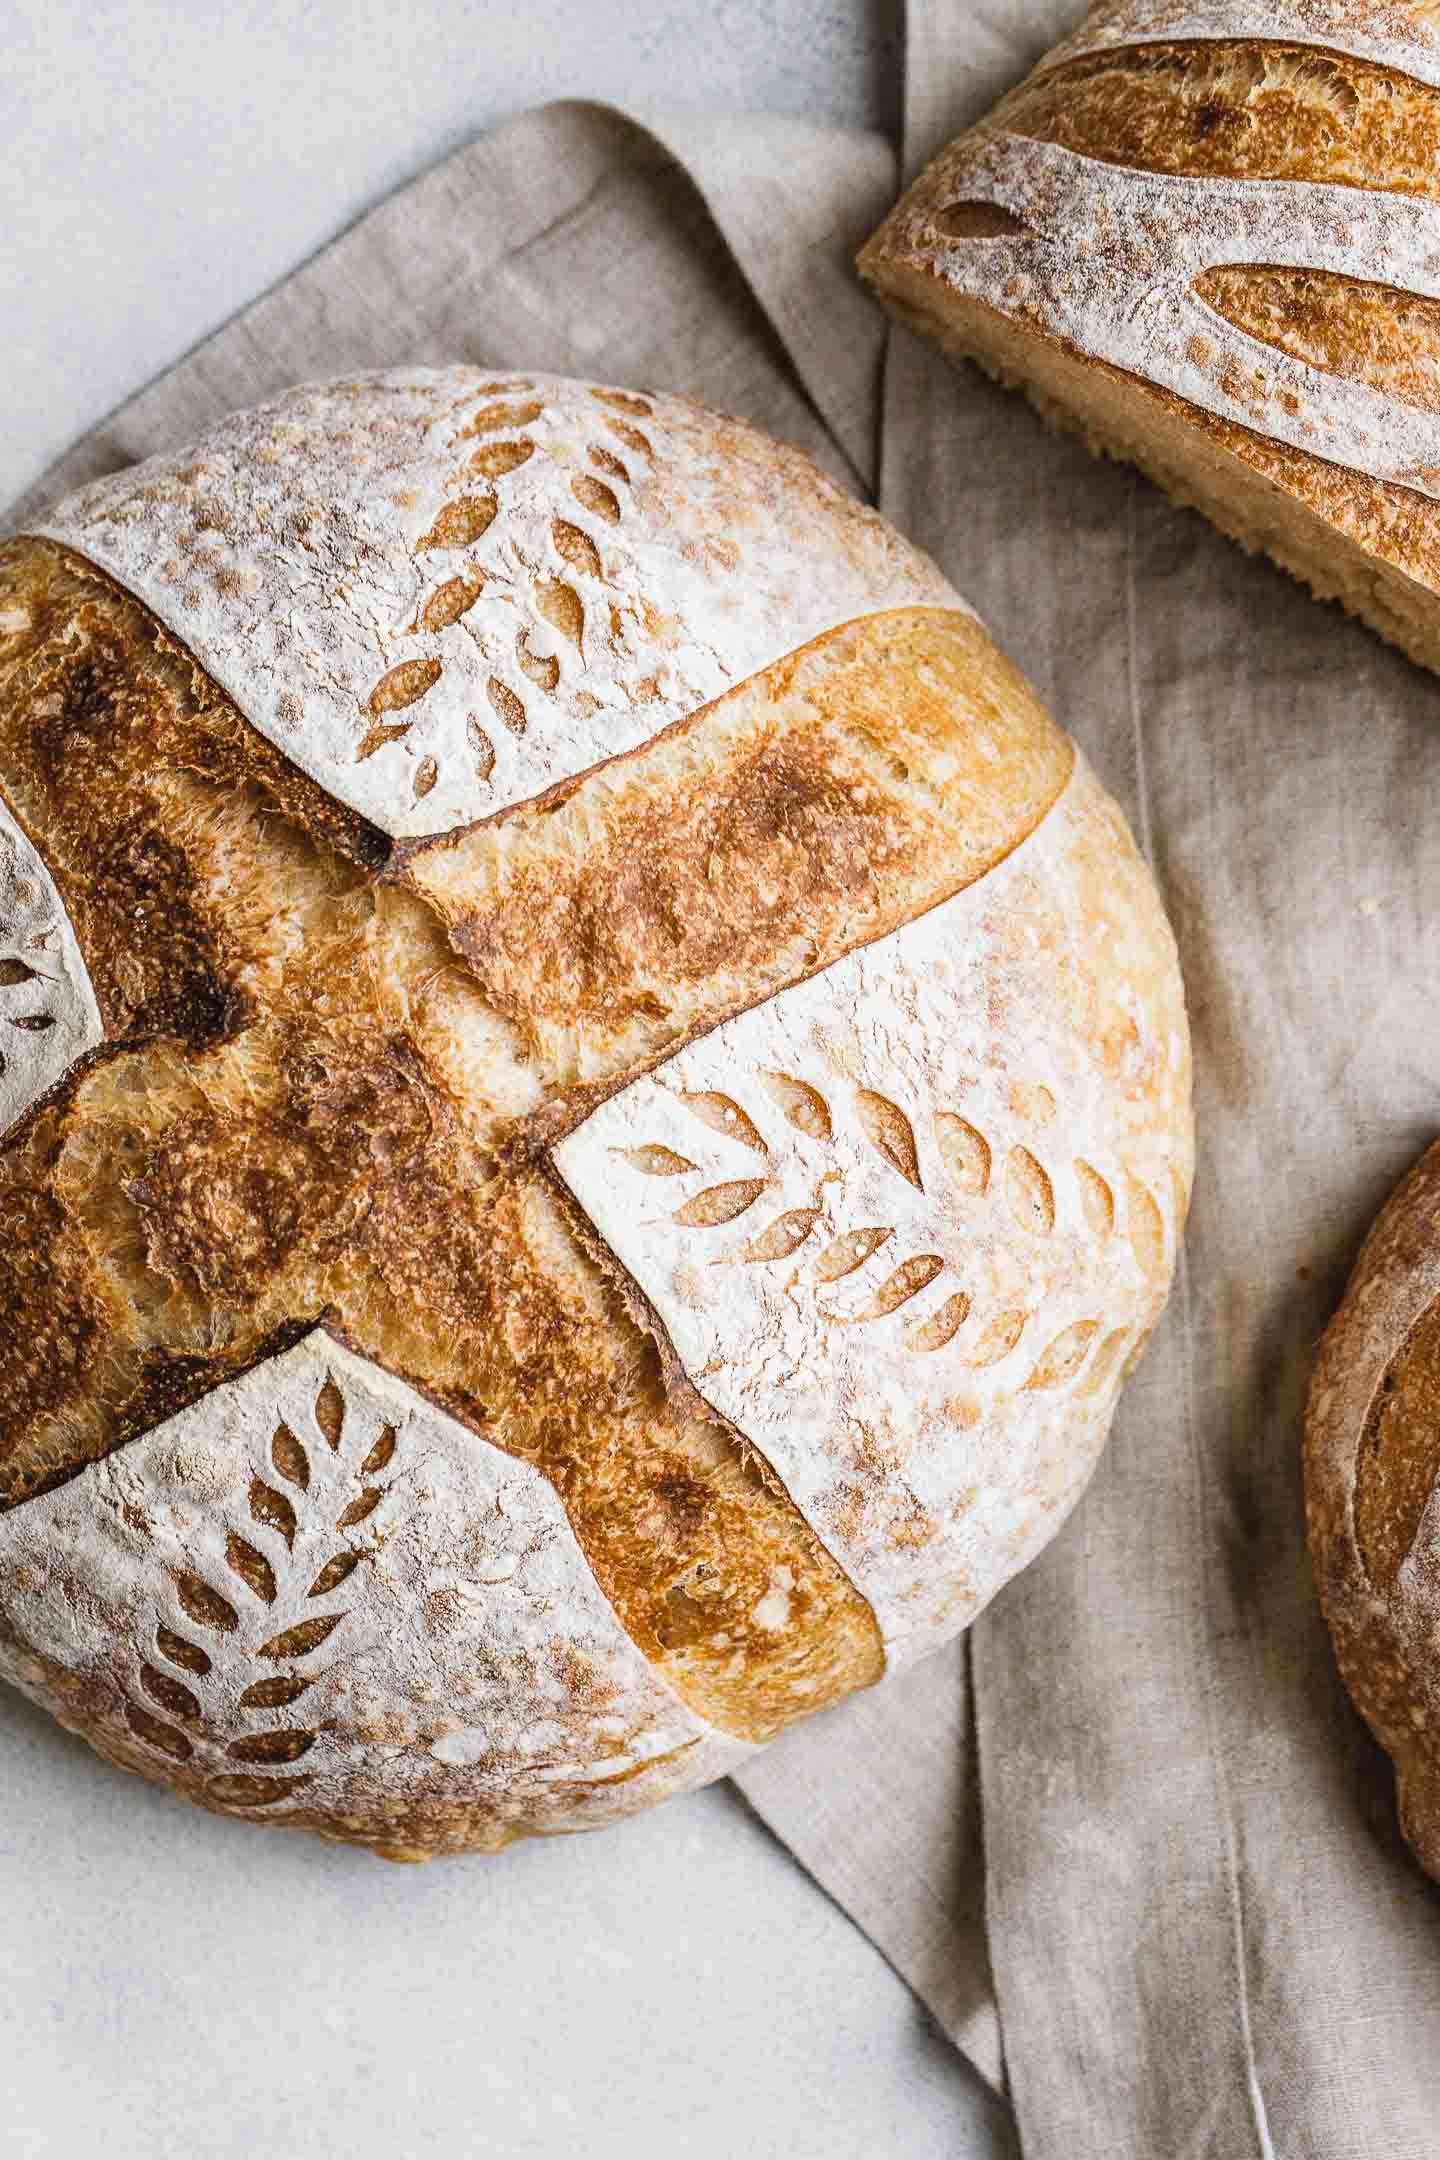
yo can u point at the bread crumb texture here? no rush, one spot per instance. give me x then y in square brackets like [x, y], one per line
[1372, 1462]
[360, 1468]
[1204, 239]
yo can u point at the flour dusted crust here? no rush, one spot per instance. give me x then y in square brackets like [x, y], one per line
[441, 593]
[341, 1606]
[48, 1014]
[907, 1225]
[1208, 239]
[382, 1450]
[1372, 1473]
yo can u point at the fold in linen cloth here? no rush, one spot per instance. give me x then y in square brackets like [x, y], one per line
[1151, 1846]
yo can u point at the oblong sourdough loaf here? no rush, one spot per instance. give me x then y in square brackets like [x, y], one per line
[595, 1104]
[1206, 238]
[1372, 1473]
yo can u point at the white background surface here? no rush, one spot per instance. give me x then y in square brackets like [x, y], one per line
[175, 1985]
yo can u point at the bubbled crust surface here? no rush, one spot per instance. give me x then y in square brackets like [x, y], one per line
[440, 593]
[1372, 1474]
[1231, 212]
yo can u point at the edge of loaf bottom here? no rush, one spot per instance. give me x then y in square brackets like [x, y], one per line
[1250, 487]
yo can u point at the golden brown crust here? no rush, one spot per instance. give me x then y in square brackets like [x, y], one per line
[1237, 109]
[834, 797]
[1372, 1453]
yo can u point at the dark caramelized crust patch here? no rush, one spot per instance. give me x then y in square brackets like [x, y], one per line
[138, 780]
[837, 795]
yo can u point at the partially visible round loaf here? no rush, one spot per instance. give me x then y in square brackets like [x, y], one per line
[594, 1104]
[1372, 1461]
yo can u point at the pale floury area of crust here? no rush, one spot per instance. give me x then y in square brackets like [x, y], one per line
[315, 1590]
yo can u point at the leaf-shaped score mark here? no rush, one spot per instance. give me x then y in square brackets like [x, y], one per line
[942, 1326]
[381, 1455]
[563, 609]
[276, 1694]
[360, 1510]
[404, 685]
[187, 1655]
[724, 1115]
[997, 1338]
[333, 1574]
[1030, 1194]
[301, 1641]
[205, 1606]
[37, 1023]
[481, 748]
[273, 1510]
[785, 1235]
[171, 1694]
[15, 972]
[909, 1279]
[494, 460]
[252, 1567]
[157, 1734]
[461, 522]
[1105, 1365]
[964, 1151]
[656, 1161]
[271, 1747]
[600, 500]
[543, 669]
[804, 1106]
[576, 548]
[890, 1133]
[493, 418]
[290, 1458]
[1096, 1200]
[330, 1412]
[1147, 1229]
[510, 708]
[450, 601]
[720, 1204]
[844, 1254]
[1064, 1357]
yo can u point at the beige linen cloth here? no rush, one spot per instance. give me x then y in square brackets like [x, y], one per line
[1193, 1934]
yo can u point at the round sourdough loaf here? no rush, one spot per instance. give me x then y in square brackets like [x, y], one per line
[1372, 1463]
[595, 1104]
